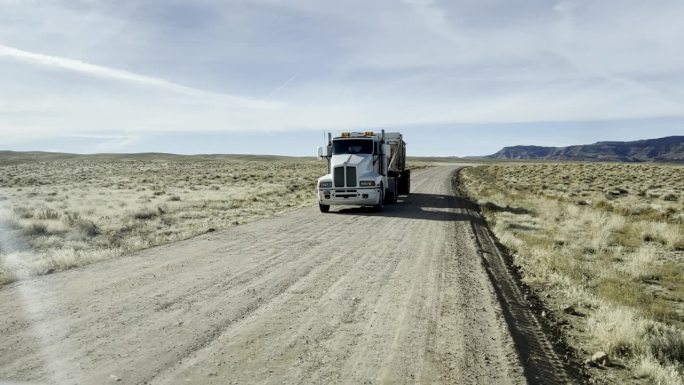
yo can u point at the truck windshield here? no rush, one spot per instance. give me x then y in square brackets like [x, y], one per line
[352, 146]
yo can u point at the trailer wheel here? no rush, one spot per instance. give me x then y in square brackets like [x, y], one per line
[324, 208]
[405, 183]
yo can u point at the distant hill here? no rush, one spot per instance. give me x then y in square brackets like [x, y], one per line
[669, 149]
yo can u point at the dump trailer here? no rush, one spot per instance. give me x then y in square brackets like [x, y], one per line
[364, 169]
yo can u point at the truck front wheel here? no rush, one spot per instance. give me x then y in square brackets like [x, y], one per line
[324, 208]
[381, 199]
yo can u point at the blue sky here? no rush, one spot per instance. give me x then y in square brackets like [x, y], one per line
[269, 76]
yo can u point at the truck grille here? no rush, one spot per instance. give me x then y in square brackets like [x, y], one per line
[351, 176]
[338, 176]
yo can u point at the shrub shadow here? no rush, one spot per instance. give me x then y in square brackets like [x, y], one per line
[507, 209]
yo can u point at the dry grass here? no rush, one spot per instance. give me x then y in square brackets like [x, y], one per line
[68, 212]
[605, 238]
[59, 211]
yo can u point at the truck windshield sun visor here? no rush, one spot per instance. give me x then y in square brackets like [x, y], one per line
[352, 146]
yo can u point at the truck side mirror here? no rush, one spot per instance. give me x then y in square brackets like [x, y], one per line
[322, 152]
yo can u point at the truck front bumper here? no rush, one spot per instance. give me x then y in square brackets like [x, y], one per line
[349, 196]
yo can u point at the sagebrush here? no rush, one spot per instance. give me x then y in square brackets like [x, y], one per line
[605, 238]
[63, 213]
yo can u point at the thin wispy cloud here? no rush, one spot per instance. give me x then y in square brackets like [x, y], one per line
[282, 86]
[122, 75]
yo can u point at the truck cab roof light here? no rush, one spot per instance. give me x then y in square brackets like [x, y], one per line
[357, 134]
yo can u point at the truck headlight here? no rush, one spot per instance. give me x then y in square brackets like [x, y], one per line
[367, 183]
[325, 185]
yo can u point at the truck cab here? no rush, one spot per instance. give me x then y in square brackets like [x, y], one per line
[364, 168]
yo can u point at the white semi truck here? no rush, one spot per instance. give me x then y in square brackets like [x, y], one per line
[364, 168]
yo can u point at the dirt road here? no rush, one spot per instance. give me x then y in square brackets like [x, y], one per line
[350, 297]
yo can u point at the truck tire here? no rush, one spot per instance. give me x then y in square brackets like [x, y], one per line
[391, 195]
[405, 183]
[324, 208]
[378, 207]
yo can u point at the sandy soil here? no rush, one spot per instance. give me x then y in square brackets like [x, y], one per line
[350, 297]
